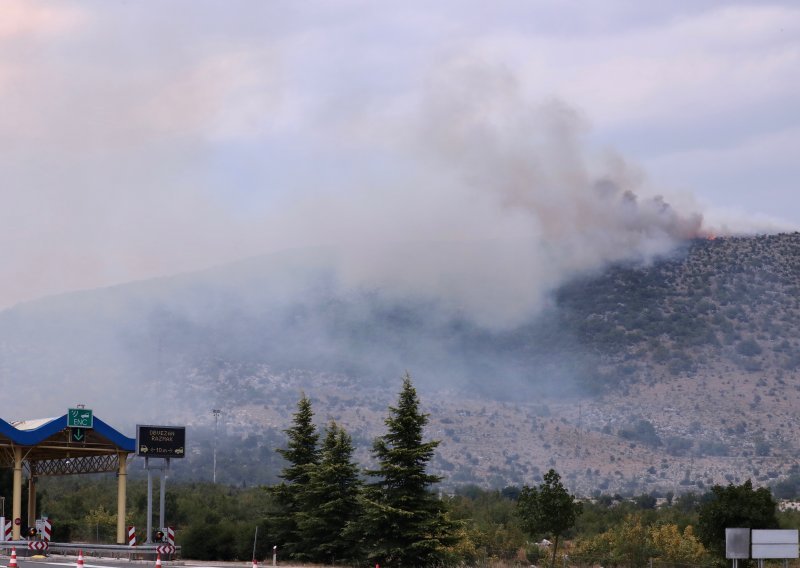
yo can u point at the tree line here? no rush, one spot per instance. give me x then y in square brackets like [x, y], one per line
[327, 510]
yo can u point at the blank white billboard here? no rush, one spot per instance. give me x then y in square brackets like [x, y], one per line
[774, 543]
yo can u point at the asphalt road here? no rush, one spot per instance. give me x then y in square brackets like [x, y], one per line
[70, 562]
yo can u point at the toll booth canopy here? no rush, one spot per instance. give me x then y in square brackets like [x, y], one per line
[74, 443]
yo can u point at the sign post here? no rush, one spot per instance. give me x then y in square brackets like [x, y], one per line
[158, 442]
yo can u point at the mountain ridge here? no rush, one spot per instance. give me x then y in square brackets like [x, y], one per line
[669, 375]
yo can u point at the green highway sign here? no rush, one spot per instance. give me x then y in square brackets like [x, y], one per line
[78, 435]
[80, 418]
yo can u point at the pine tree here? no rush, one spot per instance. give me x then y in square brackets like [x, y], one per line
[302, 456]
[331, 501]
[403, 523]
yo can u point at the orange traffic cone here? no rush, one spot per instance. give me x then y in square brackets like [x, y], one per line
[158, 560]
[12, 563]
[80, 559]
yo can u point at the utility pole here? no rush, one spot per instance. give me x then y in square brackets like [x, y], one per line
[216, 412]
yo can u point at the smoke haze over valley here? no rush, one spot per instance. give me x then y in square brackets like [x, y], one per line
[606, 378]
[518, 207]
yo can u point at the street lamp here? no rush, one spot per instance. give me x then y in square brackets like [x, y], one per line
[216, 412]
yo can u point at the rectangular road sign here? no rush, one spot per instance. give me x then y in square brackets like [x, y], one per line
[161, 441]
[779, 544]
[737, 543]
[80, 418]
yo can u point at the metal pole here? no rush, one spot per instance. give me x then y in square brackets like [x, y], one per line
[255, 539]
[149, 501]
[275, 555]
[163, 486]
[216, 412]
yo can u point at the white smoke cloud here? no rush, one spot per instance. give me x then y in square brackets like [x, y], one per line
[519, 181]
[250, 130]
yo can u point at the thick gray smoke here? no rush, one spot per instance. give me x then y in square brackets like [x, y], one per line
[520, 181]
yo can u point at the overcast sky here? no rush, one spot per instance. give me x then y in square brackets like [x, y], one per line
[146, 138]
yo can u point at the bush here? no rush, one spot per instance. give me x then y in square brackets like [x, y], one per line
[748, 348]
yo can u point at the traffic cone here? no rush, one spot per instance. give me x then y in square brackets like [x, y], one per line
[12, 563]
[80, 559]
[158, 560]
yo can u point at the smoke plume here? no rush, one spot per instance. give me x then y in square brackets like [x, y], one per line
[521, 183]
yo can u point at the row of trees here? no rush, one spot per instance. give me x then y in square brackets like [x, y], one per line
[328, 510]
[326, 513]
[217, 522]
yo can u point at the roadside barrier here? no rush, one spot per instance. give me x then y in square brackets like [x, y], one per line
[120, 551]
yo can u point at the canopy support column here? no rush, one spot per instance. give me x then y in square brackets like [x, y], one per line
[122, 480]
[16, 507]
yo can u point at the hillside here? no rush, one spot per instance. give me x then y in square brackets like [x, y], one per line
[671, 375]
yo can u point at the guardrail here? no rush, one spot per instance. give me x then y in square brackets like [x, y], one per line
[141, 551]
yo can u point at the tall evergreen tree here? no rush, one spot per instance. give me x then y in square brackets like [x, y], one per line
[331, 501]
[302, 455]
[403, 523]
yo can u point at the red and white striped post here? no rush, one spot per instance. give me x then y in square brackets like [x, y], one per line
[131, 536]
[47, 530]
[171, 535]
[5, 529]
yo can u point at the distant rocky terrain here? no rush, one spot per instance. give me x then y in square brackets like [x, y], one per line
[670, 375]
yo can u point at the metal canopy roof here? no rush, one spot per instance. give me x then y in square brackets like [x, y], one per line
[48, 447]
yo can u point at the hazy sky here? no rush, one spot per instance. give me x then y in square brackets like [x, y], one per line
[152, 137]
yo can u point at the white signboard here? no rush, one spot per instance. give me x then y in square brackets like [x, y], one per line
[737, 543]
[774, 543]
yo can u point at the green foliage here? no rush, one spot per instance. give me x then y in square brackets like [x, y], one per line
[548, 509]
[633, 542]
[490, 520]
[403, 523]
[217, 522]
[735, 506]
[302, 452]
[302, 456]
[212, 522]
[330, 502]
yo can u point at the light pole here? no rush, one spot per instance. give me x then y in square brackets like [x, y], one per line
[216, 412]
